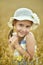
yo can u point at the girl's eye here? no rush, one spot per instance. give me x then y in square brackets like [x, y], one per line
[28, 26]
[21, 24]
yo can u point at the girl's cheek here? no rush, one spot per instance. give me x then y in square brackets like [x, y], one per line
[27, 31]
[18, 28]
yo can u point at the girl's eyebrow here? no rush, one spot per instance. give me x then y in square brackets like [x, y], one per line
[21, 24]
[28, 25]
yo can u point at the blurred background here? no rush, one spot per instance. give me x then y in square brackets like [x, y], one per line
[7, 9]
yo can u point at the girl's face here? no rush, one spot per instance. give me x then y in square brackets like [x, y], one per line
[23, 27]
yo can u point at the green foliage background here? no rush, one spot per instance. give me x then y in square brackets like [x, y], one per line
[7, 8]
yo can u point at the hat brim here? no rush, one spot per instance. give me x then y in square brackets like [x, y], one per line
[34, 26]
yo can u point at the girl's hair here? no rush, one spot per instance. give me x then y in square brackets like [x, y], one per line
[11, 31]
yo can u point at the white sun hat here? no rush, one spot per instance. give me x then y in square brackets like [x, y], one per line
[25, 14]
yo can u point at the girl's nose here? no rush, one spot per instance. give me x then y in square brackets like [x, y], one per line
[24, 29]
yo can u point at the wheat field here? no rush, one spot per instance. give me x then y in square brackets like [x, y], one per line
[7, 8]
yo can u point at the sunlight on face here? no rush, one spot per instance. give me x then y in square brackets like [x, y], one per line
[23, 27]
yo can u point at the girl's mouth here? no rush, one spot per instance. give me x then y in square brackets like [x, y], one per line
[22, 33]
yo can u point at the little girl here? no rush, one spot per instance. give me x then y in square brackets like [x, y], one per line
[21, 40]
